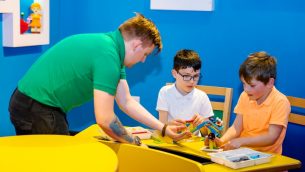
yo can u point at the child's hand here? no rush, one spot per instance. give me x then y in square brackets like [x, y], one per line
[175, 132]
[232, 144]
[197, 119]
[177, 122]
[216, 140]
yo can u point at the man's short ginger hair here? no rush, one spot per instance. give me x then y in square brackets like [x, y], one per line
[143, 28]
[260, 66]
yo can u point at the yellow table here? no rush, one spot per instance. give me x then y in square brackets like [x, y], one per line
[278, 162]
[37, 153]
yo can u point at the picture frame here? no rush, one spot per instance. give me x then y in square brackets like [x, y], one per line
[11, 25]
[186, 5]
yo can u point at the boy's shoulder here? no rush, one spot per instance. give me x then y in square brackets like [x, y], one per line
[277, 96]
[199, 92]
[273, 98]
[168, 88]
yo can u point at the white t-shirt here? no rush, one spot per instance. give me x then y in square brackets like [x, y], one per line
[181, 106]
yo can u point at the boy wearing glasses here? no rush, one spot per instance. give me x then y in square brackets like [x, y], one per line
[181, 102]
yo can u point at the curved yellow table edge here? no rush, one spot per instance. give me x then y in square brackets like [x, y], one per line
[55, 153]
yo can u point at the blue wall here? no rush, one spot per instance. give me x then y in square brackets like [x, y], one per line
[14, 62]
[223, 38]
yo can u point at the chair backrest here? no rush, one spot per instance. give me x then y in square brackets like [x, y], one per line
[136, 158]
[294, 117]
[221, 107]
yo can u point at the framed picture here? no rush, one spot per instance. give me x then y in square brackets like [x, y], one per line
[11, 25]
[187, 5]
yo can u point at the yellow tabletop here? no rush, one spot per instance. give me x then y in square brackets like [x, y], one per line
[187, 146]
[278, 162]
[37, 153]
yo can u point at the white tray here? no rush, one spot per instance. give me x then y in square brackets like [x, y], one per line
[239, 158]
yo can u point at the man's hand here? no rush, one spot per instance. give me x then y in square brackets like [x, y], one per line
[177, 132]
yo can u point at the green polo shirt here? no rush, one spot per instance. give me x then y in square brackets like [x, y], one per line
[67, 73]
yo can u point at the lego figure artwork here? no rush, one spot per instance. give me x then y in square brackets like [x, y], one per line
[35, 18]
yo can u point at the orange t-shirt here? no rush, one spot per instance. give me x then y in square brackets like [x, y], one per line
[257, 118]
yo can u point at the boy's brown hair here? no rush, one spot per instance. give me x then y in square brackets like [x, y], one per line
[187, 58]
[141, 27]
[260, 66]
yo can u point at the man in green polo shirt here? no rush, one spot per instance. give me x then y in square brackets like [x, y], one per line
[82, 67]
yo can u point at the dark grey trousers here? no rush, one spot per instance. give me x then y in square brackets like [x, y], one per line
[32, 117]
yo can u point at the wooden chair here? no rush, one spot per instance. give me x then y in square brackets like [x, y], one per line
[294, 117]
[292, 145]
[221, 106]
[136, 158]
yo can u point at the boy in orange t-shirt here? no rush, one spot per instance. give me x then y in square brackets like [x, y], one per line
[262, 111]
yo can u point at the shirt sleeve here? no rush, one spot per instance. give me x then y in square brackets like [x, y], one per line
[162, 103]
[107, 72]
[239, 108]
[123, 73]
[206, 107]
[280, 113]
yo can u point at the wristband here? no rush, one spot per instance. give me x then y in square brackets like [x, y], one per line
[163, 130]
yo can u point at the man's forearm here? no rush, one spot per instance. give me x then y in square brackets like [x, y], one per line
[139, 113]
[117, 131]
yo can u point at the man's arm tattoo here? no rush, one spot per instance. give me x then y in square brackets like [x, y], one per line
[119, 130]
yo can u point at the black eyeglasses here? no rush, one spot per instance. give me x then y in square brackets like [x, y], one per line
[189, 77]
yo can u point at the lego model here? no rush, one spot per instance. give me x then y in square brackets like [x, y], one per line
[214, 125]
[212, 144]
